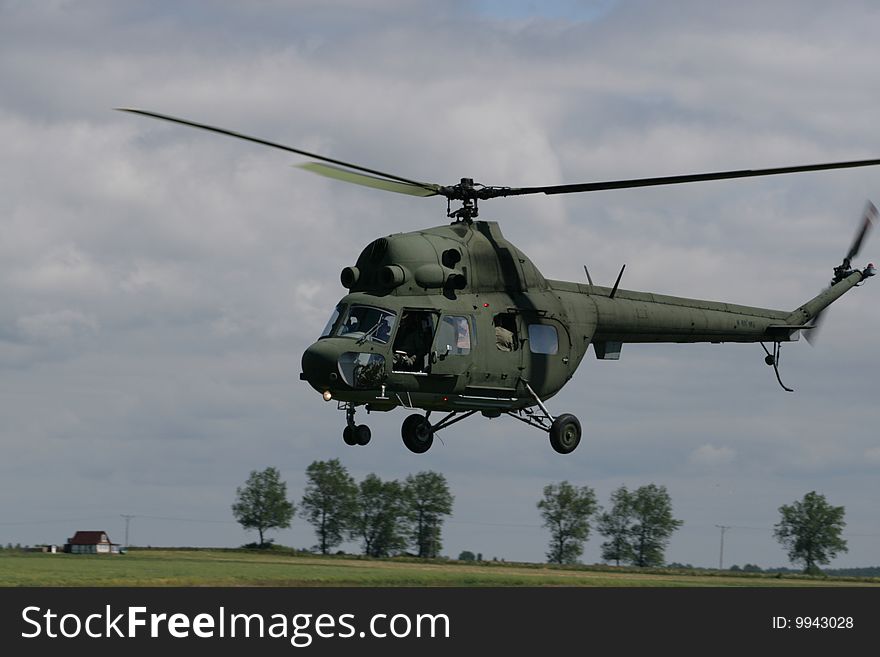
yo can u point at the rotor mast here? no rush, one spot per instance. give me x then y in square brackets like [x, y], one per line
[466, 192]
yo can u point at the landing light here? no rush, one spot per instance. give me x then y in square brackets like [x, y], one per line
[327, 395]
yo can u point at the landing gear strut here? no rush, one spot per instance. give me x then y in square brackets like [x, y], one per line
[565, 430]
[418, 432]
[355, 434]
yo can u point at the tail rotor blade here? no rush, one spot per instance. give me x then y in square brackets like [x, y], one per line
[812, 334]
[868, 220]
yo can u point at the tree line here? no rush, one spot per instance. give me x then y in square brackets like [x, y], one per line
[387, 517]
[394, 517]
[639, 523]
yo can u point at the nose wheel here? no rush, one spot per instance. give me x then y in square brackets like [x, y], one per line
[359, 434]
[355, 434]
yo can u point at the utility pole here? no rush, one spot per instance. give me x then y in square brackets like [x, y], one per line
[723, 529]
[127, 520]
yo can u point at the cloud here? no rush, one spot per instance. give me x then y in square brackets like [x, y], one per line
[710, 455]
[56, 326]
[872, 455]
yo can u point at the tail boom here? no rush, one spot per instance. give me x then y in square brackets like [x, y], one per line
[817, 304]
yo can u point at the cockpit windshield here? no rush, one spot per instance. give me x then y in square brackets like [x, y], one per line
[367, 323]
[332, 321]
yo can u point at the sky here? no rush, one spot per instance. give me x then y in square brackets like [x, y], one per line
[158, 285]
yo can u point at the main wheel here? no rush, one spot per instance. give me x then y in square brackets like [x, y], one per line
[362, 434]
[565, 433]
[349, 436]
[417, 433]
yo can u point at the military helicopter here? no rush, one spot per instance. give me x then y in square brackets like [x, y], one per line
[456, 319]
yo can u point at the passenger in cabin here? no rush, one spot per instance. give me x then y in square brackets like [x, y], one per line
[503, 336]
[413, 342]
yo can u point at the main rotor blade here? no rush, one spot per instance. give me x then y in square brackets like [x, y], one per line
[868, 220]
[272, 144]
[337, 173]
[676, 180]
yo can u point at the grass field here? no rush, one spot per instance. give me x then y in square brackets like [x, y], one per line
[161, 567]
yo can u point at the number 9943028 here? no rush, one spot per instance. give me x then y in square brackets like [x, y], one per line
[823, 622]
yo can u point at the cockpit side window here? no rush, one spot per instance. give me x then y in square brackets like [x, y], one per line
[367, 323]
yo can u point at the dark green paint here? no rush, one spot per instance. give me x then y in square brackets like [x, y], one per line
[499, 278]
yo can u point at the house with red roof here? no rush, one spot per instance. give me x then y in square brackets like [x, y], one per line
[91, 542]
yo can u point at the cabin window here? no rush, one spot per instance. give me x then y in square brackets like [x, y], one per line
[505, 332]
[453, 336]
[367, 323]
[543, 339]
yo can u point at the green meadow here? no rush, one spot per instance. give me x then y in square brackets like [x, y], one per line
[182, 567]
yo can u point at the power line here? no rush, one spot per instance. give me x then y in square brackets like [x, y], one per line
[493, 524]
[223, 522]
[50, 522]
[127, 520]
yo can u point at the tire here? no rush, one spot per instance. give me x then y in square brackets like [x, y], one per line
[565, 433]
[362, 434]
[417, 434]
[348, 436]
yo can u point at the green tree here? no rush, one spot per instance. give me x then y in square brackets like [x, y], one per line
[262, 502]
[653, 524]
[810, 531]
[428, 500]
[616, 526]
[329, 502]
[381, 521]
[566, 511]
[467, 555]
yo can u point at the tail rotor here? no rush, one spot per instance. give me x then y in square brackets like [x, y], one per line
[844, 269]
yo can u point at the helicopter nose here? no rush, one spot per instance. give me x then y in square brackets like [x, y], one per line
[319, 366]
